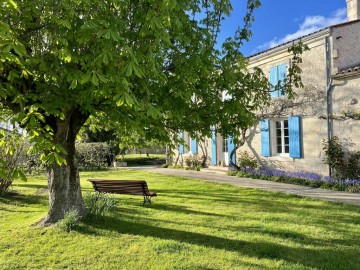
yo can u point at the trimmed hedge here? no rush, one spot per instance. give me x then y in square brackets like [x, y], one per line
[93, 156]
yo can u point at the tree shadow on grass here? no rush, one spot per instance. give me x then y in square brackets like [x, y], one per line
[260, 198]
[319, 257]
[283, 233]
[183, 210]
[34, 186]
[19, 199]
[18, 211]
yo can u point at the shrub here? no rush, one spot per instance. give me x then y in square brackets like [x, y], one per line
[345, 164]
[247, 161]
[188, 161]
[232, 173]
[205, 161]
[92, 156]
[165, 166]
[178, 167]
[69, 221]
[32, 165]
[353, 189]
[12, 154]
[98, 204]
[193, 161]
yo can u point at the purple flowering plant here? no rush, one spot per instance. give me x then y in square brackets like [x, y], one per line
[301, 178]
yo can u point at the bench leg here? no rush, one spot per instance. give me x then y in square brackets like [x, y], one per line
[147, 199]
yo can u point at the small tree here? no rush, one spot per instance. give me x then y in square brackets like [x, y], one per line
[345, 164]
[12, 154]
[247, 161]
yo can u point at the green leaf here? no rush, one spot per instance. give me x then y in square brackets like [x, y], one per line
[105, 58]
[128, 69]
[94, 79]
[102, 78]
[18, 173]
[138, 72]
[60, 149]
[107, 35]
[22, 176]
[85, 78]
[20, 49]
[128, 99]
[53, 158]
[12, 75]
[153, 113]
[13, 3]
[120, 100]
[73, 84]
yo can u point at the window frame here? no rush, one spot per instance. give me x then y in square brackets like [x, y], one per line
[225, 145]
[274, 137]
[282, 137]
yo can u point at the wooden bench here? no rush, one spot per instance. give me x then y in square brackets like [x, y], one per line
[131, 187]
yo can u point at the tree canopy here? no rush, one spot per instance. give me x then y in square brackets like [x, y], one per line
[145, 66]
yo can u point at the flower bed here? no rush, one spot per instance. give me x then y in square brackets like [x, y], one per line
[300, 178]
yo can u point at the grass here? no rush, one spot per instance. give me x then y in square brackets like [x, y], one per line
[190, 225]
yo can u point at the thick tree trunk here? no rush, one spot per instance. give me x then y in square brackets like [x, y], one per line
[64, 180]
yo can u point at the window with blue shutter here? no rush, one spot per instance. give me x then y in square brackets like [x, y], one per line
[231, 147]
[194, 148]
[213, 148]
[181, 146]
[277, 74]
[265, 137]
[281, 137]
[295, 136]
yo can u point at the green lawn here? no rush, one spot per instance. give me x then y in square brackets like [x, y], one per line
[190, 225]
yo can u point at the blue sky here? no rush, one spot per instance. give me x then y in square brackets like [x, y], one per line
[278, 21]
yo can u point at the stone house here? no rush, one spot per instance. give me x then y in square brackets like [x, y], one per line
[290, 133]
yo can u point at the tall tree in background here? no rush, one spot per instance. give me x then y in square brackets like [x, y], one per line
[149, 66]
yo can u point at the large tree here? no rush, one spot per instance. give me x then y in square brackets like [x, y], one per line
[148, 66]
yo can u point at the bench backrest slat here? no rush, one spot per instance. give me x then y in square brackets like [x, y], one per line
[136, 187]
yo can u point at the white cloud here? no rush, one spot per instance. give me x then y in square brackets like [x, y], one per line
[309, 25]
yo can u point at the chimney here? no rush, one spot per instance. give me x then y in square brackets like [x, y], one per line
[353, 10]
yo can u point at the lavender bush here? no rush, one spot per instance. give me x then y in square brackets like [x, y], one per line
[300, 178]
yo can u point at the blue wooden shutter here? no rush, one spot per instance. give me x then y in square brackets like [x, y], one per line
[213, 148]
[194, 146]
[181, 146]
[231, 147]
[281, 75]
[273, 81]
[295, 136]
[265, 137]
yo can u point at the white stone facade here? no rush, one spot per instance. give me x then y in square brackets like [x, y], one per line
[331, 51]
[344, 52]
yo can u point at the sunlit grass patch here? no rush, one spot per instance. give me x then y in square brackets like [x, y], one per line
[192, 224]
